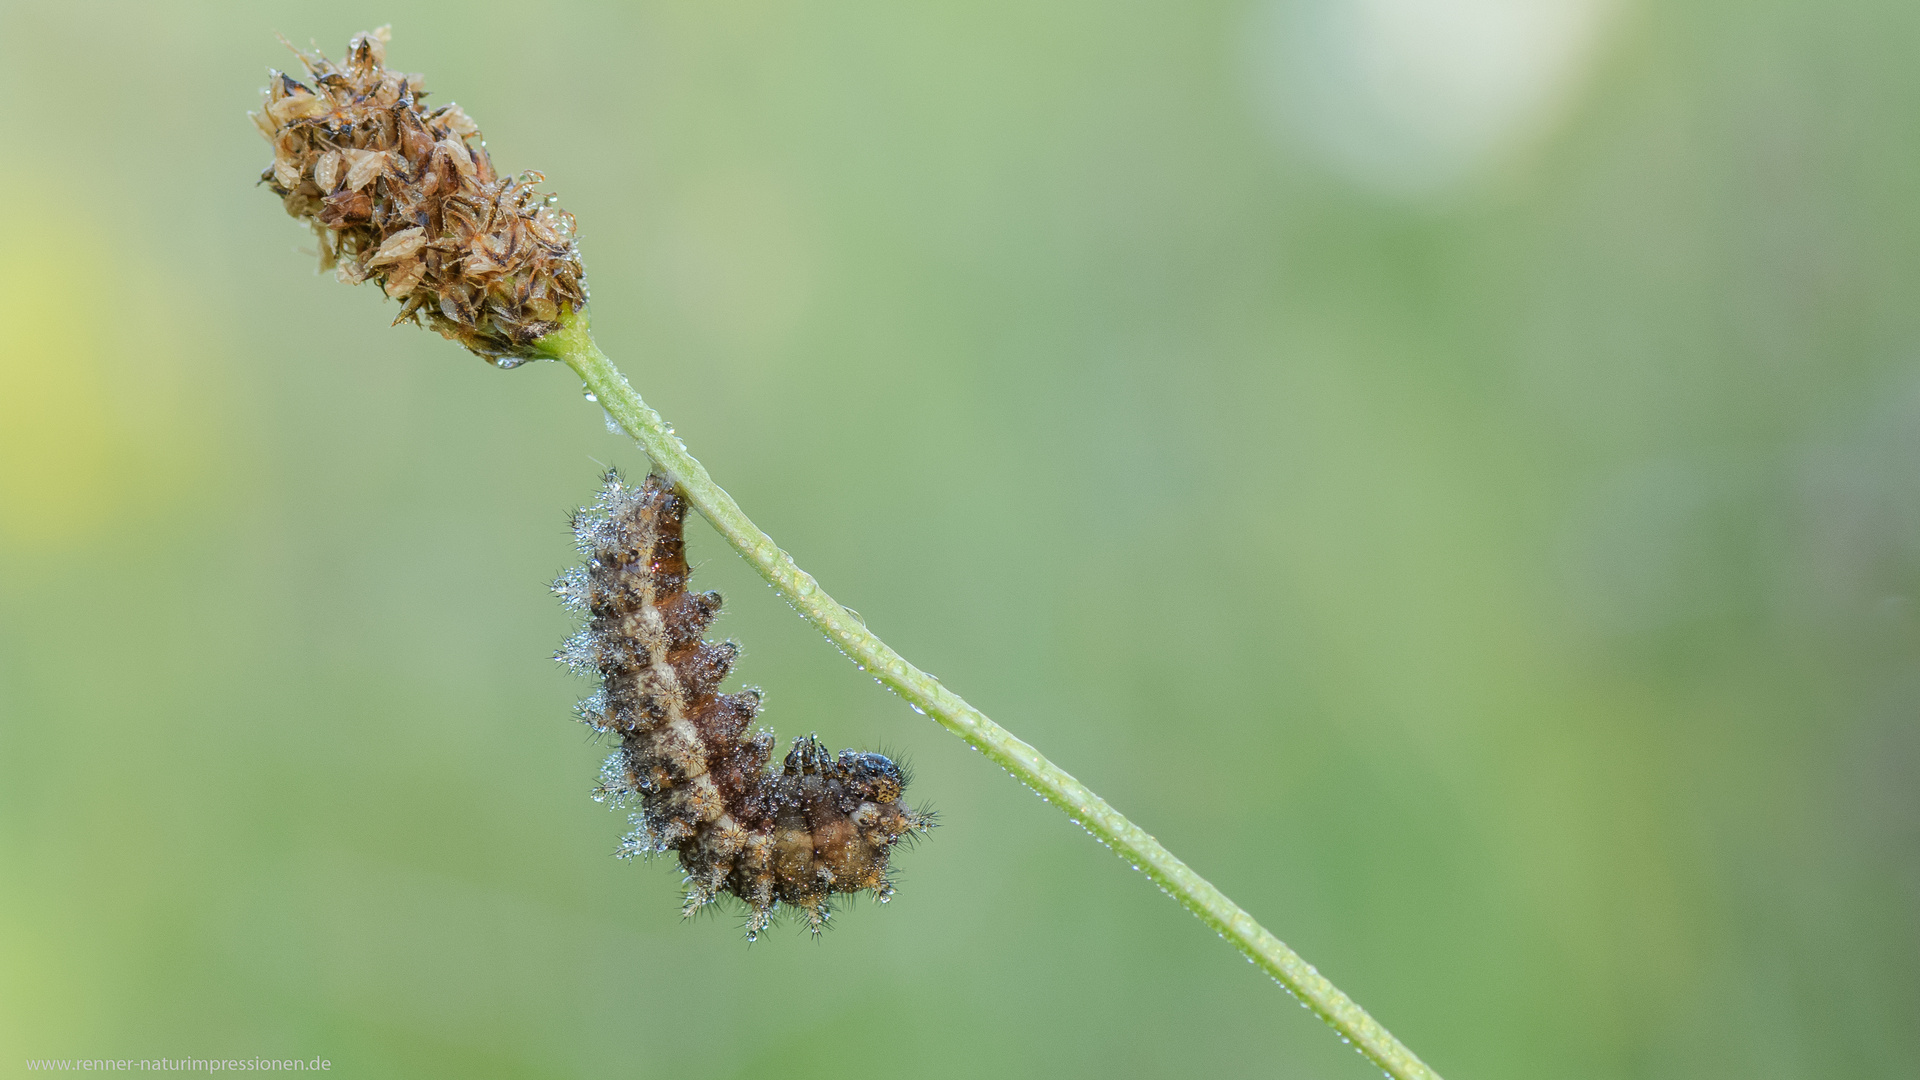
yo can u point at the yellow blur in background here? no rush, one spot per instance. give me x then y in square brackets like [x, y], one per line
[1448, 468]
[94, 426]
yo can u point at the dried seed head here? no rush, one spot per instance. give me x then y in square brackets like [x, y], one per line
[398, 194]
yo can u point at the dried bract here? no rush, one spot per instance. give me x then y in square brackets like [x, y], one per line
[407, 197]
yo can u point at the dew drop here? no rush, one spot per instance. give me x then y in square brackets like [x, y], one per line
[589, 395]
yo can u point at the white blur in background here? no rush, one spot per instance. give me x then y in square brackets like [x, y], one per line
[1417, 98]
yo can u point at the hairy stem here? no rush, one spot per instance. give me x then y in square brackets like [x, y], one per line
[574, 345]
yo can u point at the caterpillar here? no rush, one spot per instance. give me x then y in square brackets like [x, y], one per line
[822, 826]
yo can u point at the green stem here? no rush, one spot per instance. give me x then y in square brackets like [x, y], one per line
[574, 345]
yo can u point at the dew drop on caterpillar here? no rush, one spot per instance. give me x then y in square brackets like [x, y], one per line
[819, 826]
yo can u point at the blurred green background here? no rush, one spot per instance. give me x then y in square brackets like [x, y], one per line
[1449, 468]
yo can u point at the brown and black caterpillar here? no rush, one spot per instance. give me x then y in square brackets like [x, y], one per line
[821, 825]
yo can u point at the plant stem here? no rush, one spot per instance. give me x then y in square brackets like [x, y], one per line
[574, 345]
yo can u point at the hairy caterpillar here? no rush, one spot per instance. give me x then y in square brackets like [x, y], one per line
[822, 825]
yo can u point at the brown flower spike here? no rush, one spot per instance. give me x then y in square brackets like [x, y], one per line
[400, 195]
[822, 825]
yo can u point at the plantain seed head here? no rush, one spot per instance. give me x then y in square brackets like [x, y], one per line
[406, 196]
